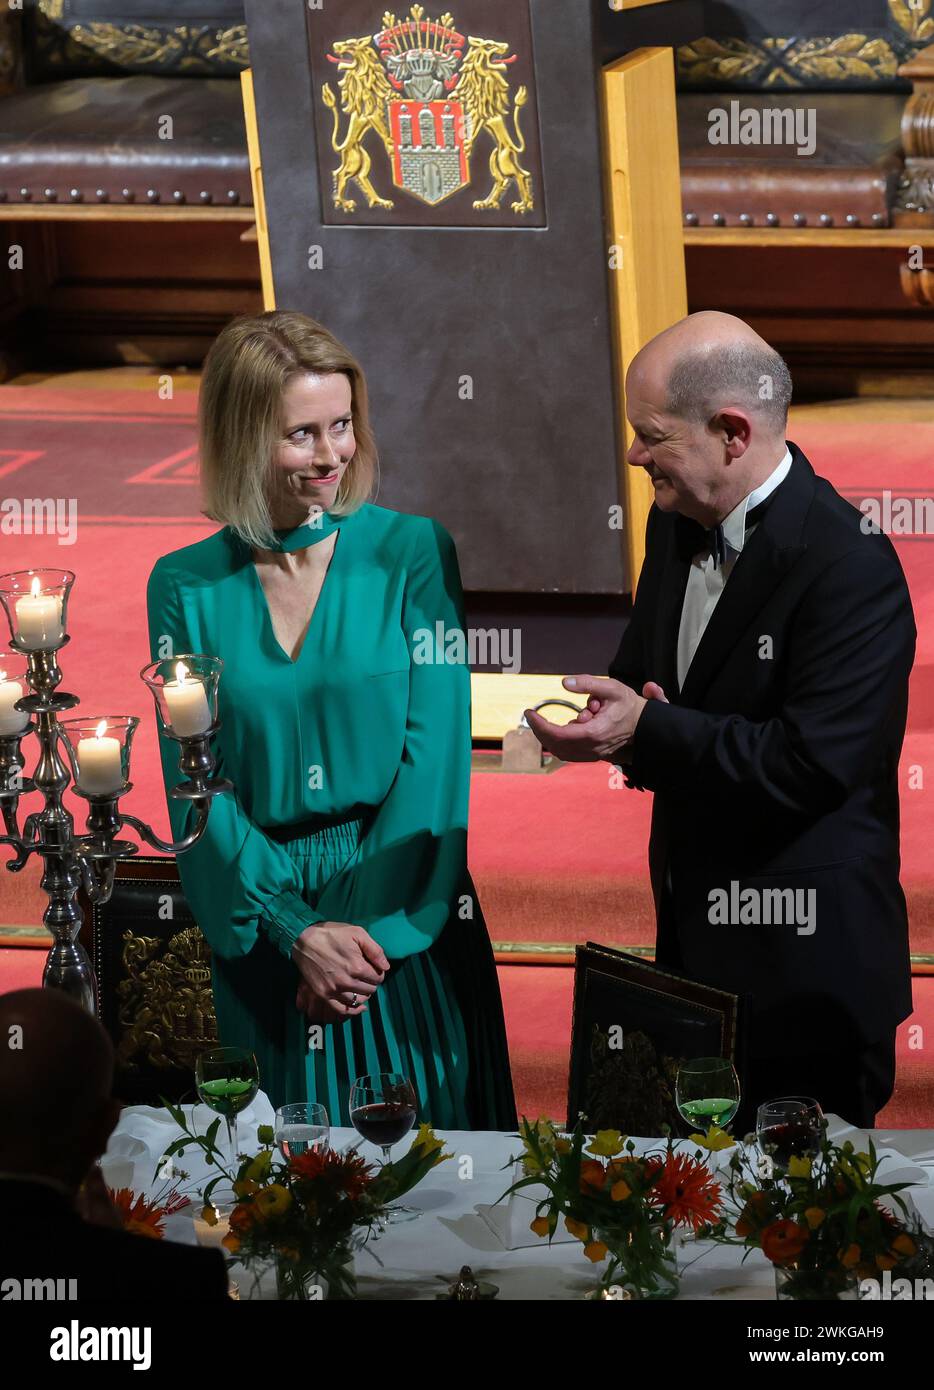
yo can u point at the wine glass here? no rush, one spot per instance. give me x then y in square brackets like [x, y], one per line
[227, 1079]
[301, 1127]
[789, 1126]
[382, 1110]
[707, 1092]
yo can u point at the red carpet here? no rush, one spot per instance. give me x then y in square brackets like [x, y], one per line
[557, 858]
[128, 459]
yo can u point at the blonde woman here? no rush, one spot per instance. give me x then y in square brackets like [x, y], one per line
[332, 885]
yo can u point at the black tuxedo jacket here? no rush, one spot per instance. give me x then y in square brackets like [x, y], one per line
[43, 1237]
[775, 767]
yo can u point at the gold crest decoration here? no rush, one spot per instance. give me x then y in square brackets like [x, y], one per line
[427, 94]
[166, 1006]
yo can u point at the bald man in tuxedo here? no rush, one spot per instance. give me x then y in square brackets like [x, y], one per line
[760, 691]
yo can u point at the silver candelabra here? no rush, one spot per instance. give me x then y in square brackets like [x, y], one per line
[98, 761]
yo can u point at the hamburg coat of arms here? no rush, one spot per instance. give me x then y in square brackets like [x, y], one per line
[428, 97]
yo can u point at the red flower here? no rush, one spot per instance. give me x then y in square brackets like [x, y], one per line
[345, 1172]
[686, 1190]
[783, 1241]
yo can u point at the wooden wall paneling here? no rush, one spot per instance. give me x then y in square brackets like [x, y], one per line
[648, 285]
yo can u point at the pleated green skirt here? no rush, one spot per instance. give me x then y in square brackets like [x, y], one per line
[415, 1022]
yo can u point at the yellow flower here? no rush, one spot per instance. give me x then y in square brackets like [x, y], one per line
[578, 1229]
[272, 1201]
[595, 1251]
[814, 1216]
[799, 1166]
[244, 1187]
[606, 1143]
[540, 1226]
[620, 1191]
[427, 1140]
[258, 1168]
[714, 1140]
[209, 1214]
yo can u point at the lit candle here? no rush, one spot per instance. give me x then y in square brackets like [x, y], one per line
[206, 1234]
[39, 619]
[12, 721]
[100, 769]
[187, 700]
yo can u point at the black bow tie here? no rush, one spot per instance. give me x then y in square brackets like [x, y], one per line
[694, 538]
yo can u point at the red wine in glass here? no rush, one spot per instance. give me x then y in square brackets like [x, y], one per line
[383, 1108]
[384, 1123]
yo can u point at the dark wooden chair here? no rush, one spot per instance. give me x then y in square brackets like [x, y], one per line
[633, 1026]
[153, 970]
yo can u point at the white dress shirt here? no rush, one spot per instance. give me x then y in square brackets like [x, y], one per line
[706, 582]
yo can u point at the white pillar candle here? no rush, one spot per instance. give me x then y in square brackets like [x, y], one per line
[39, 619]
[187, 702]
[100, 769]
[11, 720]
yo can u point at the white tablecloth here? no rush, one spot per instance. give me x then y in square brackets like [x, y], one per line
[457, 1227]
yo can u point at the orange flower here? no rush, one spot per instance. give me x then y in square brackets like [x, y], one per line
[540, 1226]
[241, 1219]
[231, 1243]
[904, 1245]
[815, 1217]
[783, 1241]
[686, 1190]
[756, 1211]
[593, 1175]
[886, 1261]
[620, 1191]
[578, 1229]
[850, 1256]
[621, 1169]
[140, 1217]
[595, 1251]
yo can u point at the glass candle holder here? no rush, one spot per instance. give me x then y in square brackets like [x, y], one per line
[36, 605]
[99, 752]
[185, 691]
[13, 686]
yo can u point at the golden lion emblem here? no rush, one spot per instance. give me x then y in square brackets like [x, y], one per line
[401, 84]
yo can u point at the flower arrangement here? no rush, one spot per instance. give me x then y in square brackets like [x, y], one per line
[306, 1214]
[623, 1207]
[821, 1223]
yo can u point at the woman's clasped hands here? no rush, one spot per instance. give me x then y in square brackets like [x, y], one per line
[340, 968]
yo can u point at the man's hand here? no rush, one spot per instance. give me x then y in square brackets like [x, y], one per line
[337, 961]
[608, 722]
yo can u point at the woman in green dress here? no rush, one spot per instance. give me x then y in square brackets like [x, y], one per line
[332, 884]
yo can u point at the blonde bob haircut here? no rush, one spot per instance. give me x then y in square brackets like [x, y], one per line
[241, 418]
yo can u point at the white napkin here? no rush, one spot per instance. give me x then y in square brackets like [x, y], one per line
[144, 1133]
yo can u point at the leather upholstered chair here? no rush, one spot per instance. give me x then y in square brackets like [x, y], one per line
[92, 85]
